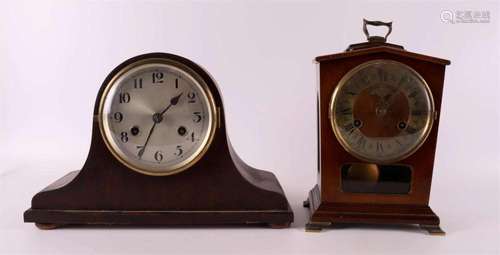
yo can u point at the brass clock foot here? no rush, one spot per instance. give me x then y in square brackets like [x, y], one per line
[47, 226]
[317, 226]
[433, 229]
[351, 192]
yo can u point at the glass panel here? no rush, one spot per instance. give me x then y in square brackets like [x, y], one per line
[373, 178]
[382, 111]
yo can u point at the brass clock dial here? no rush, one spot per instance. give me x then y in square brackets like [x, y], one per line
[157, 116]
[382, 111]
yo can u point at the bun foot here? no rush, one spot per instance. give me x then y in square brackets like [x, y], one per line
[280, 225]
[47, 226]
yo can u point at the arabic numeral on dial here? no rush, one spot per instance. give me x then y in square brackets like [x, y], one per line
[179, 150]
[124, 137]
[124, 98]
[140, 151]
[138, 83]
[158, 156]
[191, 97]
[192, 137]
[157, 77]
[197, 117]
[176, 83]
[118, 117]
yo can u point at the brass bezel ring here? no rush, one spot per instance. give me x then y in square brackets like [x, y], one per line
[189, 161]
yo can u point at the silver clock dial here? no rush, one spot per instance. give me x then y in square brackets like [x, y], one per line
[157, 117]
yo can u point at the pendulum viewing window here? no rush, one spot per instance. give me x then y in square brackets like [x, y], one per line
[373, 178]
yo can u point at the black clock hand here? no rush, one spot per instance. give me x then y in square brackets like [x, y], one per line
[157, 118]
[390, 99]
[173, 101]
[386, 101]
[142, 148]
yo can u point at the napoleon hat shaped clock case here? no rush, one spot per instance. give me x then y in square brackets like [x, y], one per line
[160, 155]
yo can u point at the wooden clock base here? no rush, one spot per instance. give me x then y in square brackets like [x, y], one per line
[214, 192]
[51, 218]
[324, 215]
[62, 218]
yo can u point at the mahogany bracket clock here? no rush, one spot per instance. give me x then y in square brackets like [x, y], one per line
[378, 117]
[160, 155]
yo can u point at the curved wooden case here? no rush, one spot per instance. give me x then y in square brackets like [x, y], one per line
[218, 189]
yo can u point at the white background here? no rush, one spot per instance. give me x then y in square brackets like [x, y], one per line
[55, 54]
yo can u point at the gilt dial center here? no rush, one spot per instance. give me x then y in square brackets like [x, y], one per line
[381, 111]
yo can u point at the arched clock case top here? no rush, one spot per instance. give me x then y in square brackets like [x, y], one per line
[219, 188]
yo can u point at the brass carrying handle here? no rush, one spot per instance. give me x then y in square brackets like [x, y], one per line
[376, 23]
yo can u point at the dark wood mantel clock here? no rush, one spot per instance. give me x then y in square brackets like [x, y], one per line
[378, 116]
[160, 155]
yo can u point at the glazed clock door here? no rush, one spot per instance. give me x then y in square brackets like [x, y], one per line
[157, 116]
[378, 109]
